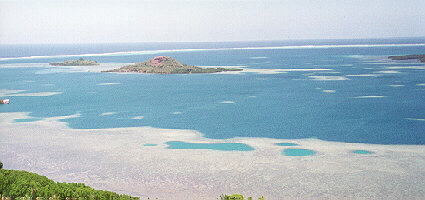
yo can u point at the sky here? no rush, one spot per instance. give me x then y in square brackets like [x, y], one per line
[110, 21]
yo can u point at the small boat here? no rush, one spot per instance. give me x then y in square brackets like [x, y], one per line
[4, 101]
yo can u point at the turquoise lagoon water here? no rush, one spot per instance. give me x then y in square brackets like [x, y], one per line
[286, 144]
[27, 120]
[298, 152]
[150, 145]
[362, 152]
[213, 146]
[379, 106]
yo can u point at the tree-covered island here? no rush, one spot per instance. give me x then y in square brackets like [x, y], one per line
[420, 57]
[79, 62]
[168, 65]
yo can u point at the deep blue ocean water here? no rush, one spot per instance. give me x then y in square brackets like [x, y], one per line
[288, 106]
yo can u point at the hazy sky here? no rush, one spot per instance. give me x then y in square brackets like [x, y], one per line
[92, 21]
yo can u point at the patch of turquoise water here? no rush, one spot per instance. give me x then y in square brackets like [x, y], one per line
[298, 152]
[213, 146]
[362, 152]
[286, 144]
[150, 145]
[291, 103]
[27, 120]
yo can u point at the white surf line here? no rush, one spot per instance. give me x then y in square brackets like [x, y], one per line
[6, 92]
[387, 72]
[138, 117]
[38, 94]
[367, 97]
[270, 71]
[363, 75]
[406, 67]
[415, 119]
[222, 66]
[48, 84]
[108, 113]
[227, 102]
[304, 70]
[108, 83]
[329, 78]
[148, 52]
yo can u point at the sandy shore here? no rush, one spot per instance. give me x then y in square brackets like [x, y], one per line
[115, 159]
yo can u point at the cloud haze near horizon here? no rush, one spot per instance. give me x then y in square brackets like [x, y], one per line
[94, 21]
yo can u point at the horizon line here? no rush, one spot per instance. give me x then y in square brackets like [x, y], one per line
[222, 41]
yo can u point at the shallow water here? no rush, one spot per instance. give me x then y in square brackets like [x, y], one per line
[212, 146]
[150, 145]
[286, 144]
[298, 152]
[362, 152]
[27, 120]
[353, 101]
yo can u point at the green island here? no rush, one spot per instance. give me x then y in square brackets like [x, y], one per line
[79, 62]
[23, 185]
[167, 65]
[420, 57]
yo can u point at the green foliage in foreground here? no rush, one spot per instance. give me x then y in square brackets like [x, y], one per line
[15, 184]
[79, 62]
[408, 57]
[237, 197]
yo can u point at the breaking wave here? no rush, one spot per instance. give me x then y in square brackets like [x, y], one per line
[151, 52]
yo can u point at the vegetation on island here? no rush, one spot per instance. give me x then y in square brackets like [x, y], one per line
[420, 57]
[167, 65]
[79, 62]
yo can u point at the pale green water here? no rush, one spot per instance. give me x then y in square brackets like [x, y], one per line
[298, 152]
[286, 144]
[292, 105]
[213, 146]
[27, 120]
[362, 152]
[150, 145]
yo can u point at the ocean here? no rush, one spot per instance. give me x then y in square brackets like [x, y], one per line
[333, 90]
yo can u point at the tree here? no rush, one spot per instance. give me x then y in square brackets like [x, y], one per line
[232, 197]
[1, 165]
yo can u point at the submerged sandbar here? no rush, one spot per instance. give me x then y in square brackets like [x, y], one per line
[114, 159]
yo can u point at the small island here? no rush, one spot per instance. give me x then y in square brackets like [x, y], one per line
[79, 62]
[167, 65]
[420, 57]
